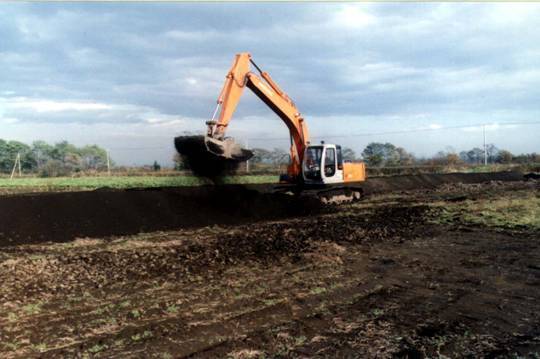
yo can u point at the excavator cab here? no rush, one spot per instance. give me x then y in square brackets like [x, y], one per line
[323, 164]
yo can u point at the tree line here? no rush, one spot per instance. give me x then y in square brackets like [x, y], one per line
[51, 160]
[64, 158]
[377, 154]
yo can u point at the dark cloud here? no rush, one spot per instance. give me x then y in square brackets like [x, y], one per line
[151, 64]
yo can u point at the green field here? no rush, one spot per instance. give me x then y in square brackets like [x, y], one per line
[35, 184]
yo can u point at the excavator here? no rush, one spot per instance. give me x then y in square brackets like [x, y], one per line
[316, 168]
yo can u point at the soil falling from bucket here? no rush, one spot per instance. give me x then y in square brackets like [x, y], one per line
[204, 163]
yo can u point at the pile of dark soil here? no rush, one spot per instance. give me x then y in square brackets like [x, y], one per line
[431, 181]
[60, 217]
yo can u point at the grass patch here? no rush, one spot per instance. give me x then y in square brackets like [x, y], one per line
[298, 341]
[100, 311]
[515, 210]
[318, 290]
[141, 336]
[124, 304]
[12, 317]
[88, 183]
[41, 347]
[270, 302]
[11, 346]
[97, 348]
[135, 313]
[32, 308]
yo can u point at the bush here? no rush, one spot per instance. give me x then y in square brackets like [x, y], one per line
[54, 168]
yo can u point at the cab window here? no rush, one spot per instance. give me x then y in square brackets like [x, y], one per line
[339, 158]
[330, 162]
[312, 162]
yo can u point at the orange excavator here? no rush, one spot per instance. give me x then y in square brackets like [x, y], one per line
[318, 167]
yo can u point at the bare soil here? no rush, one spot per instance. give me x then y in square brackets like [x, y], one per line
[381, 278]
[64, 216]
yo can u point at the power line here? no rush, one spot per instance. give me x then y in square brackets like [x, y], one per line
[402, 131]
[366, 134]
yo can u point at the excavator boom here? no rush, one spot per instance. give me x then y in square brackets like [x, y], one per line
[238, 78]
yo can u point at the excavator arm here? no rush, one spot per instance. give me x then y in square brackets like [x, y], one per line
[239, 77]
[214, 154]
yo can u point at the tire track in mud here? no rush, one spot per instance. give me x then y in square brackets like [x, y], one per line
[188, 338]
[177, 324]
[69, 272]
[432, 307]
[73, 271]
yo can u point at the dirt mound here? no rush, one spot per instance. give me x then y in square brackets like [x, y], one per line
[431, 181]
[64, 216]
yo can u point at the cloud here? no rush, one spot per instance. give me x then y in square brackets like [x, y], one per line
[352, 17]
[180, 35]
[83, 112]
[9, 120]
[349, 67]
[23, 103]
[490, 127]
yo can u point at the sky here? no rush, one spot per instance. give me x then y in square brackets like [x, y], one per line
[132, 76]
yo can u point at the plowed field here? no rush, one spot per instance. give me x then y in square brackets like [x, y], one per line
[450, 269]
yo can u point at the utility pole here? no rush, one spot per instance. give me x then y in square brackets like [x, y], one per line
[19, 158]
[17, 162]
[485, 147]
[247, 162]
[108, 164]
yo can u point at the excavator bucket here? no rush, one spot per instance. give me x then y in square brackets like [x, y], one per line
[227, 148]
[209, 157]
